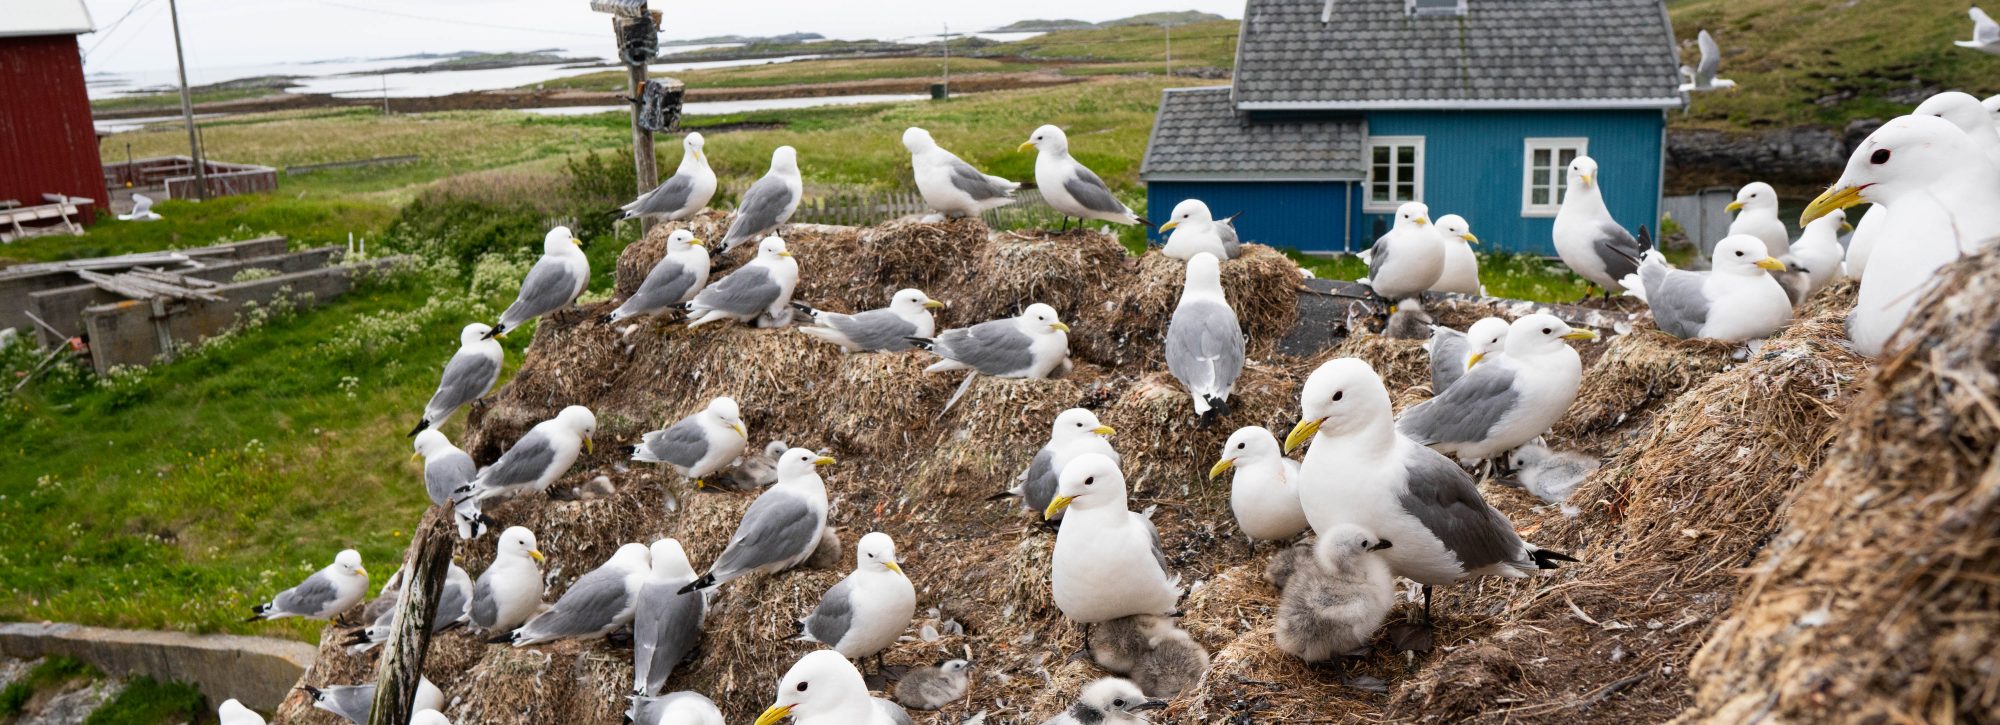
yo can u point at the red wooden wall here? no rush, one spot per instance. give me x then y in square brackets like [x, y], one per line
[47, 142]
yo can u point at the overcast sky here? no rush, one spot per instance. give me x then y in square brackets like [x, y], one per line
[253, 32]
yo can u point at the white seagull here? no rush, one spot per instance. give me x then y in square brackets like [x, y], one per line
[682, 195]
[1409, 259]
[887, 330]
[534, 462]
[667, 625]
[780, 529]
[1756, 208]
[864, 614]
[699, 445]
[1453, 352]
[769, 203]
[469, 373]
[759, 290]
[1702, 76]
[328, 592]
[1031, 345]
[1587, 238]
[948, 184]
[823, 688]
[556, 280]
[1195, 230]
[1985, 33]
[1506, 402]
[510, 590]
[1074, 433]
[1070, 187]
[679, 275]
[1107, 563]
[1204, 346]
[1461, 265]
[600, 601]
[1264, 492]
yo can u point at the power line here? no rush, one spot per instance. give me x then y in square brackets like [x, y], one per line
[455, 21]
[113, 27]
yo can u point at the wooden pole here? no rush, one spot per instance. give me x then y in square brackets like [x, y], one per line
[645, 167]
[402, 664]
[187, 107]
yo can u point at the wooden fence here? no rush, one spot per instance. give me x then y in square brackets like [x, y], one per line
[175, 174]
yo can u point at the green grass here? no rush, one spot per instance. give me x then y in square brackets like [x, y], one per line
[52, 672]
[308, 222]
[1211, 43]
[1512, 276]
[146, 701]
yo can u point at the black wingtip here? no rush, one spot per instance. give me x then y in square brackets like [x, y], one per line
[806, 308]
[498, 330]
[798, 628]
[628, 450]
[706, 581]
[312, 692]
[1142, 220]
[1001, 496]
[507, 638]
[1547, 558]
[606, 319]
[360, 637]
[421, 425]
[1231, 219]
[922, 343]
[1645, 238]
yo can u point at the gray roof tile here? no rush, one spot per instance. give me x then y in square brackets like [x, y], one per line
[1199, 134]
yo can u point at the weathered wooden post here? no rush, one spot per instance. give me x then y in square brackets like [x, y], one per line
[637, 31]
[402, 664]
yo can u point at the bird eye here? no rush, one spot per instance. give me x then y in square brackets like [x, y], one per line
[1090, 480]
[802, 686]
[1239, 446]
[1881, 156]
[1118, 702]
[1337, 395]
[1547, 330]
[1739, 254]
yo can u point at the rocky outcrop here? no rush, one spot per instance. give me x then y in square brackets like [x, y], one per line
[1805, 156]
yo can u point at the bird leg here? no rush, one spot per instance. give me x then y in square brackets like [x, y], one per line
[1427, 605]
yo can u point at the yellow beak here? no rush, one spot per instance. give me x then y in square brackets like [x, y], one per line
[361, 571]
[1422, 221]
[773, 714]
[1169, 226]
[1827, 202]
[1056, 506]
[823, 461]
[1470, 239]
[895, 567]
[740, 431]
[1221, 467]
[536, 554]
[1846, 228]
[1474, 359]
[1302, 432]
[1025, 145]
[1771, 263]
[696, 242]
[1104, 430]
[1734, 206]
[575, 241]
[785, 253]
[933, 305]
[1586, 178]
[1059, 327]
[1580, 335]
[417, 456]
[589, 447]
[699, 157]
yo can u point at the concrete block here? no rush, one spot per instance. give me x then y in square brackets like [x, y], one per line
[257, 670]
[16, 285]
[63, 308]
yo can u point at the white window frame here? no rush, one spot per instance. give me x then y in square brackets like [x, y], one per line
[1369, 204]
[1555, 145]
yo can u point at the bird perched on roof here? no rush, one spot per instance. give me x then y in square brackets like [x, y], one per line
[1338, 598]
[1985, 33]
[540, 457]
[679, 275]
[446, 468]
[1070, 187]
[1586, 237]
[233, 712]
[1107, 562]
[510, 590]
[756, 292]
[452, 608]
[948, 184]
[1818, 250]
[780, 529]
[1756, 208]
[1195, 230]
[599, 602]
[1505, 402]
[863, 614]
[823, 688]
[1204, 347]
[469, 374]
[1409, 259]
[1461, 265]
[1108, 701]
[1453, 352]
[354, 703]
[682, 195]
[1734, 301]
[667, 625]
[931, 688]
[142, 211]
[681, 708]
[328, 592]
[769, 203]
[699, 445]
[1033, 344]
[1702, 76]
[1965, 112]
[555, 281]
[1362, 470]
[1075, 432]
[1940, 199]
[888, 329]
[1264, 490]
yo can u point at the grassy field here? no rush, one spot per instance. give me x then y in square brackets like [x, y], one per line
[308, 222]
[803, 72]
[1211, 43]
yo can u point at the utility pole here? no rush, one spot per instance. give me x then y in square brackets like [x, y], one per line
[947, 59]
[1170, 49]
[385, 94]
[187, 108]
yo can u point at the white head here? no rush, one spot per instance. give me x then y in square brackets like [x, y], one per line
[774, 449]
[632, 556]
[1582, 174]
[233, 709]
[785, 160]
[909, 302]
[518, 541]
[670, 561]
[1412, 214]
[1484, 338]
[1456, 229]
[797, 463]
[1342, 397]
[682, 240]
[1249, 445]
[773, 249]
[1049, 139]
[954, 667]
[1539, 334]
[1827, 228]
[431, 442]
[724, 410]
[579, 420]
[1907, 154]
[1740, 254]
[1190, 212]
[1077, 424]
[1755, 195]
[1111, 699]
[1090, 481]
[473, 334]
[348, 562]
[876, 552]
[1961, 109]
[560, 241]
[692, 146]
[1528, 455]
[1040, 319]
[429, 717]
[819, 683]
[1204, 273]
[918, 140]
[1342, 541]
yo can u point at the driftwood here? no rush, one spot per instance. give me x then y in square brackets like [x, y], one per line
[402, 664]
[141, 287]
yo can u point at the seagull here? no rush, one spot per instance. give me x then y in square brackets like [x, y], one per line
[932, 688]
[666, 626]
[823, 688]
[354, 703]
[1204, 347]
[1506, 402]
[1733, 302]
[534, 462]
[1107, 562]
[469, 374]
[1985, 33]
[1196, 231]
[452, 608]
[1992, 105]
[1031, 345]
[1587, 238]
[699, 445]
[887, 330]
[1756, 208]
[681, 708]
[1409, 259]
[1818, 249]
[510, 590]
[1873, 226]
[1264, 492]
[1702, 77]
[1108, 701]
[780, 529]
[446, 468]
[328, 592]
[1074, 433]
[864, 614]
[233, 712]
[676, 278]
[1461, 265]
[142, 210]
[1965, 112]
[1940, 205]
[682, 195]
[429, 717]
[597, 603]
[1453, 352]
[948, 184]
[556, 280]
[1070, 187]
[762, 288]
[769, 203]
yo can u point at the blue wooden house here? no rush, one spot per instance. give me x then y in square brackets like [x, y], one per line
[1342, 110]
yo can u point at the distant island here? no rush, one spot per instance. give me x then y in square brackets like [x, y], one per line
[746, 39]
[1043, 26]
[1161, 19]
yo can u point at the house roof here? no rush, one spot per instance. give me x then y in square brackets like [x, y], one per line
[1517, 54]
[1199, 134]
[45, 17]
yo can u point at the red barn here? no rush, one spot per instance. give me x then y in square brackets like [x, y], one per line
[47, 142]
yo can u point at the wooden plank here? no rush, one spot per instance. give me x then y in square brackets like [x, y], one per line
[402, 664]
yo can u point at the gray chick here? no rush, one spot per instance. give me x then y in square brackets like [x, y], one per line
[826, 556]
[1173, 664]
[1118, 644]
[1108, 701]
[1551, 475]
[1286, 562]
[1795, 279]
[934, 687]
[1408, 321]
[757, 469]
[1338, 598]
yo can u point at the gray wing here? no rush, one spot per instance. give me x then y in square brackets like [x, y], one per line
[466, 377]
[1711, 60]
[1443, 497]
[1679, 307]
[759, 212]
[309, 597]
[994, 347]
[454, 600]
[835, 613]
[1231, 244]
[682, 444]
[875, 329]
[485, 611]
[665, 285]
[1611, 239]
[548, 286]
[893, 711]
[590, 605]
[973, 183]
[1159, 551]
[666, 198]
[1467, 411]
[666, 629]
[1378, 255]
[1205, 347]
[523, 464]
[1091, 192]
[778, 525]
[1040, 486]
[1448, 349]
[444, 475]
[746, 291]
[354, 702]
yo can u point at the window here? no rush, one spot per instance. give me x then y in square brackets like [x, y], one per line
[1545, 173]
[1395, 171]
[1434, 7]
